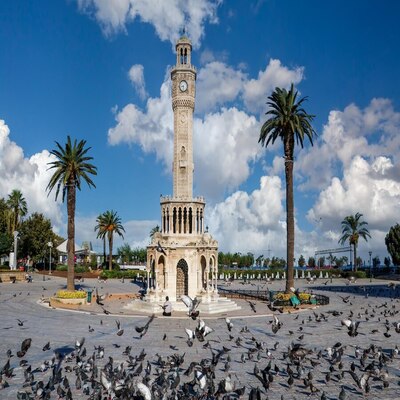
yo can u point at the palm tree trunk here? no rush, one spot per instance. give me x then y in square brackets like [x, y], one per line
[71, 199]
[355, 257]
[104, 250]
[110, 244]
[289, 144]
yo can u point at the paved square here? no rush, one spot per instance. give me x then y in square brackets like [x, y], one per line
[250, 355]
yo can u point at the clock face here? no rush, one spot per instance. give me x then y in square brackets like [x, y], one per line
[183, 86]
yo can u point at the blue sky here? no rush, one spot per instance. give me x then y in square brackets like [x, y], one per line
[99, 71]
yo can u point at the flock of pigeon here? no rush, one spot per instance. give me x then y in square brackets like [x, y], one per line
[264, 357]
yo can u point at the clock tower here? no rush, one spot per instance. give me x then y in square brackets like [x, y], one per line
[183, 78]
[182, 258]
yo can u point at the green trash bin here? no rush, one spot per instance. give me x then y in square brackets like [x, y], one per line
[89, 295]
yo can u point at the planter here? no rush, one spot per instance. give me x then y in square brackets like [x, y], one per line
[76, 302]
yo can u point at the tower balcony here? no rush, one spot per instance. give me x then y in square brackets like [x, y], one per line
[182, 200]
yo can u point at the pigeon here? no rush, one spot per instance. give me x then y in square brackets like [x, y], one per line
[192, 305]
[46, 346]
[202, 330]
[120, 331]
[143, 329]
[191, 336]
[160, 249]
[24, 347]
[252, 305]
[276, 324]
[352, 326]
[229, 324]
[99, 299]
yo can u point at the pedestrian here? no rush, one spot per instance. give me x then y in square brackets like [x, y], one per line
[167, 307]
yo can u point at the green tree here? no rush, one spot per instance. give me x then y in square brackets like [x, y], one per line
[321, 262]
[311, 262]
[392, 241]
[72, 167]
[6, 241]
[108, 224]
[387, 262]
[302, 261]
[339, 262]
[125, 253]
[376, 262]
[3, 216]
[35, 232]
[288, 121]
[18, 208]
[352, 229]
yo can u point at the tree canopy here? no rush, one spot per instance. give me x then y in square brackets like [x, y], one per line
[392, 241]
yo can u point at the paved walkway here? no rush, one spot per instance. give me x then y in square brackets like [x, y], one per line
[316, 330]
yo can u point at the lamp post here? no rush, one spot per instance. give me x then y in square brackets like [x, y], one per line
[15, 248]
[370, 266]
[50, 244]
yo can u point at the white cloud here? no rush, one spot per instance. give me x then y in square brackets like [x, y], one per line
[167, 17]
[151, 130]
[227, 138]
[256, 91]
[30, 175]
[369, 133]
[137, 78]
[218, 84]
[225, 145]
[251, 222]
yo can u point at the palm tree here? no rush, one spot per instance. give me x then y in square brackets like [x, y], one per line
[352, 229]
[154, 231]
[109, 223]
[71, 168]
[288, 121]
[18, 208]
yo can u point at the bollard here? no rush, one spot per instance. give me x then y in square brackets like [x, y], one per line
[89, 295]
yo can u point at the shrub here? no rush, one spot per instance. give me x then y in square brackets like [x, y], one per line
[78, 268]
[65, 294]
[4, 268]
[283, 296]
[355, 274]
[131, 274]
[304, 296]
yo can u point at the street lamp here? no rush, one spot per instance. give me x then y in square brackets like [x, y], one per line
[370, 266]
[15, 248]
[50, 244]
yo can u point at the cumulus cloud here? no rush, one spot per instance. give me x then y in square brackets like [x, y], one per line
[355, 168]
[369, 133]
[151, 130]
[255, 91]
[167, 17]
[219, 83]
[223, 136]
[251, 222]
[137, 79]
[227, 138]
[30, 175]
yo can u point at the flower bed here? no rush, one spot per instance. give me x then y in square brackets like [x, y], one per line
[282, 299]
[77, 297]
